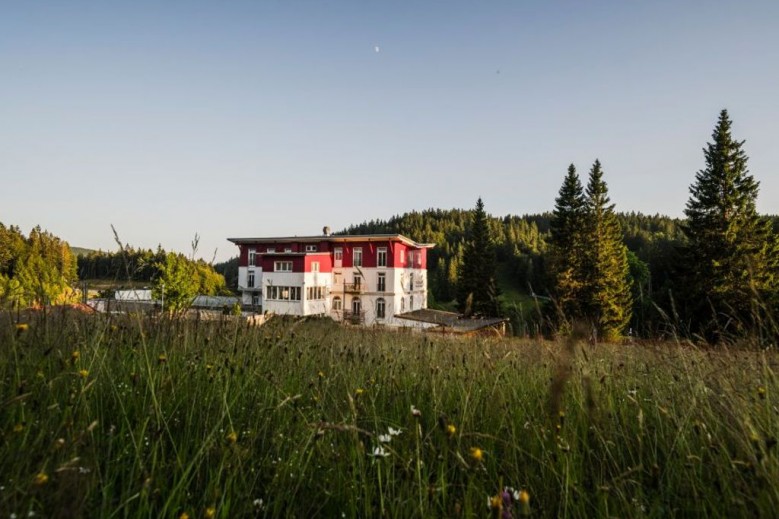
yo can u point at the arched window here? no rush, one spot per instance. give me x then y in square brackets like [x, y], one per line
[380, 308]
[337, 303]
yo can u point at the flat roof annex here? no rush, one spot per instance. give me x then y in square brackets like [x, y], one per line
[334, 238]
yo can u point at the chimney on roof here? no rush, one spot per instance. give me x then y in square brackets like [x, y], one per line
[326, 230]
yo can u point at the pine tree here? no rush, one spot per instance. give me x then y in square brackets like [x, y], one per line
[606, 293]
[730, 261]
[477, 290]
[565, 244]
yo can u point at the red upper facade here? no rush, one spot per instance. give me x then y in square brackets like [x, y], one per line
[331, 252]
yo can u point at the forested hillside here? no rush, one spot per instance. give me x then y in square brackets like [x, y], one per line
[521, 243]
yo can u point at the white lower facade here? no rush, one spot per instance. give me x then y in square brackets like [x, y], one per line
[357, 295]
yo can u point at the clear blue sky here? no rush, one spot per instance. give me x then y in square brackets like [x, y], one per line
[279, 117]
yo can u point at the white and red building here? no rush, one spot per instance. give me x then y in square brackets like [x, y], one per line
[362, 279]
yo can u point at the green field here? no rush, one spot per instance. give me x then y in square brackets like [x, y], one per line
[125, 417]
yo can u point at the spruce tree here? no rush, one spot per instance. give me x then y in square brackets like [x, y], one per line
[565, 244]
[606, 293]
[730, 260]
[477, 290]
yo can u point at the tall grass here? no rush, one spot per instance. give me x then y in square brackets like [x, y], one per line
[126, 417]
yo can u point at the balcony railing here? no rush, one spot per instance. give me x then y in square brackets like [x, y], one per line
[354, 288]
[354, 317]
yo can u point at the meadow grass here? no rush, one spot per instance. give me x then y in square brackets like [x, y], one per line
[129, 417]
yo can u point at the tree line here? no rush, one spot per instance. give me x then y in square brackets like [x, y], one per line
[41, 269]
[713, 274]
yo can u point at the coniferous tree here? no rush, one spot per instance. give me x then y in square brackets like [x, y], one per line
[565, 242]
[606, 293]
[477, 290]
[730, 261]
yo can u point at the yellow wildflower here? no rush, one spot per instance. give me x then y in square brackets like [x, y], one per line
[321, 374]
[451, 430]
[210, 513]
[75, 355]
[524, 497]
[761, 392]
[41, 478]
[18, 428]
[496, 503]
[184, 515]
[232, 437]
[22, 327]
[524, 502]
[359, 391]
[477, 454]
[162, 359]
[83, 373]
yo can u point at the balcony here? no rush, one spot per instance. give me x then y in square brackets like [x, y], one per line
[352, 317]
[354, 288]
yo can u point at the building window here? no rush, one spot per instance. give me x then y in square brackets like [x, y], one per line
[255, 300]
[411, 303]
[315, 293]
[380, 308]
[419, 258]
[357, 257]
[402, 256]
[271, 250]
[282, 266]
[338, 253]
[402, 304]
[250, 279]
[252, 258]
[411, 258]
[356, 306]
[279, 293]
[310, 248]
[381, 286]
[337, 303]
[314, 266]
[381, 257]
[287, 249]
[357, 281]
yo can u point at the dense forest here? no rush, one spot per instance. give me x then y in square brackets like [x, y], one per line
[36, 269]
